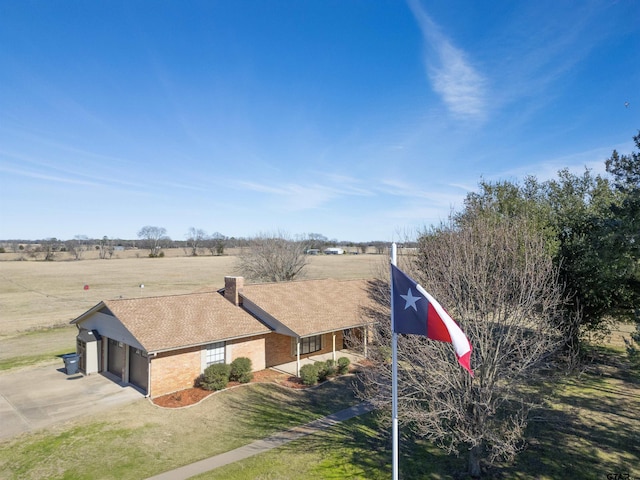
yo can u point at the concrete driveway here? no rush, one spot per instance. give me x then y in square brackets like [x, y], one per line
[37, 397]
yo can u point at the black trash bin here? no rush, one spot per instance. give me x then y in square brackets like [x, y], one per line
[71, 361]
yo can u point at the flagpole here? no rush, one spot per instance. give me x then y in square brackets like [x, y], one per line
[394, 375]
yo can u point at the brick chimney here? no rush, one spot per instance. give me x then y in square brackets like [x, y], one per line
[233, 288]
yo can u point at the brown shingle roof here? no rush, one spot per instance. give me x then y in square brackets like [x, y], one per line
[312, 306]
[165, 323]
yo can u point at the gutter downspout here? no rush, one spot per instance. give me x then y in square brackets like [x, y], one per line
[298, 357]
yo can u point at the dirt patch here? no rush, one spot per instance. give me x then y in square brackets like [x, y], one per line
[183, 398]
[291, 382]
[191, 396]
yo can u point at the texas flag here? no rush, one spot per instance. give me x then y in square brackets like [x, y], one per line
[416, 312]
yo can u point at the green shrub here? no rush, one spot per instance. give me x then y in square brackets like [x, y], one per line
[216, 376]
[241, 370]
[325, 369]
[309, 374]
[343, 365]
[330, 368]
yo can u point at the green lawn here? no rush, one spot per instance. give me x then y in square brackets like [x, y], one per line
[140, 439]
[588, 427]
[355, 449]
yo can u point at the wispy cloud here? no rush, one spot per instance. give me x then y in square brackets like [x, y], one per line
[47, 139]
[302, 196]
[534, 51]
[46, 177]
[47, 170]
[347, 185]
[297, 197]
[453, 77]
[577, 162]
[258, 187]
[442, 196]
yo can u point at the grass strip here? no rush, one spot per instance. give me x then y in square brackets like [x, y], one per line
[31, 360]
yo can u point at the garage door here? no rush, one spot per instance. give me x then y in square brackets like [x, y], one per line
[115, 355]
[138, 368]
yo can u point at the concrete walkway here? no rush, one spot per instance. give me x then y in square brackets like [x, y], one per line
[264, 445]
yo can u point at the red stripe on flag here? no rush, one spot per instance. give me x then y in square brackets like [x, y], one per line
[465, 361]
[436, 329]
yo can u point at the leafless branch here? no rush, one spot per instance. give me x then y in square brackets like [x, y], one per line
[496, 279]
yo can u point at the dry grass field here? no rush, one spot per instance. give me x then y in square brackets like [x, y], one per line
[36, 294]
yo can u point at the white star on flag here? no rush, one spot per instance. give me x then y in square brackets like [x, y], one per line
[411, 300]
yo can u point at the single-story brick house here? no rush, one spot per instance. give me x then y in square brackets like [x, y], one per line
[162, 344]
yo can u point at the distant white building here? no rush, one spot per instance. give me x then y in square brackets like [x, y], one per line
[333, 251]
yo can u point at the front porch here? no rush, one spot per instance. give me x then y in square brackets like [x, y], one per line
[292, 368]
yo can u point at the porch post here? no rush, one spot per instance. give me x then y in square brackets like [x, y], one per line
[334, 346]
[298, 357]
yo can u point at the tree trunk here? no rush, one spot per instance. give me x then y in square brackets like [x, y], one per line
[474, 461]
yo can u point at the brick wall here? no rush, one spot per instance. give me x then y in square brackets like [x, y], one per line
[252, 348]
[172, 371]
[177, 370]
[279, 350]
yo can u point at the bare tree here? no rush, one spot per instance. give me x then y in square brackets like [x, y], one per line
[196, 238]
[380, 247]
[34, 252]
[273, 258]
[216, 243]
[106, 248]
[498, 282]
[77, 246]
[45, 248]
[317, 240]
[153, 238]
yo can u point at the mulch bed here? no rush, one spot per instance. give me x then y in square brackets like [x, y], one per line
[190, 396]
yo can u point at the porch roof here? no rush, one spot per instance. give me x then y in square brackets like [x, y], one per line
[312, 307]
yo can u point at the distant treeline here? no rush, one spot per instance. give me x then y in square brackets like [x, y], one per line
[81, 247]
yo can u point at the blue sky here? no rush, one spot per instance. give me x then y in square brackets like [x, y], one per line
[356, 119]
